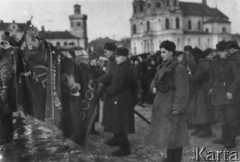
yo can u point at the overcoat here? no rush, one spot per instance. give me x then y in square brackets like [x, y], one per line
[225, 78]
[199, 107]
[106, 81]
[121, 94]
[167, 130]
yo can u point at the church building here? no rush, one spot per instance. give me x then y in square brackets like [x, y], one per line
[184, 23]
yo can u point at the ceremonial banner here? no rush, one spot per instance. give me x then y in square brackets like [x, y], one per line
[79, 105]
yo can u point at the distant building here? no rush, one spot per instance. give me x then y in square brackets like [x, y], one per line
[184, 23]
[76, 37]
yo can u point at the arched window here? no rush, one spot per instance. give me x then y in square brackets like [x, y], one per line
[189, 41]
[134, 29]
[148, 26]
[167, 23]
[158, 5]
[78, 23]
[223, 29]
[175, 2]
[207, 30]
[167, 3]
[177, 23]
[65, 43]
[199, 25]
[135, 9]
[189, 24]
[58, 44]
[141, 8]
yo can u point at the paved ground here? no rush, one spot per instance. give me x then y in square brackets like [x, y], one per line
[34, 142]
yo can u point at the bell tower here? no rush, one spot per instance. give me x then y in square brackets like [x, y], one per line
[78, 23]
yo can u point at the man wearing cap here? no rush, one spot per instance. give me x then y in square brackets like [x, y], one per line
[225, 94]
[105, 81]
[121, 94]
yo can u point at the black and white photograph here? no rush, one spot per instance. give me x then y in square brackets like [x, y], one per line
[119, 81]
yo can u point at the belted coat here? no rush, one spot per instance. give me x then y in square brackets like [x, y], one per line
[167, 130]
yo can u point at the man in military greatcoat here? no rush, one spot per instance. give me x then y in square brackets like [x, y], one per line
[122, 99]
[225, 94]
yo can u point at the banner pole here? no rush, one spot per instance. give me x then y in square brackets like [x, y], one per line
[51, 79]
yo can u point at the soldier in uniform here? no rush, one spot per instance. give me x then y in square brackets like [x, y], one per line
[121, 95]
[225, 94]
[6, 103]
[169, 120]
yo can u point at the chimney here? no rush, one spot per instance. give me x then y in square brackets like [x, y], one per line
[43, 29]
[204, 2]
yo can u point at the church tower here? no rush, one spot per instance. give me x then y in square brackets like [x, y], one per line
[78, 22]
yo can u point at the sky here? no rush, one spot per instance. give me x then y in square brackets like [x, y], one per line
[109, 18]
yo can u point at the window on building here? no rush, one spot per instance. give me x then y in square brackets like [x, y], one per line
[148, 26]
[149, 5]
[189, 24]
[134, 29]
[189, 41]
[207, 30]
[168, 3]
[199, 42]
[199, 25]
[223, 29]
[78, 23]
[58, 44]
[158, 5]
[175, 2]
[167, 23]
[135, 9]
[65, 43]
[141, 8]
[177, 23]
[178, 42]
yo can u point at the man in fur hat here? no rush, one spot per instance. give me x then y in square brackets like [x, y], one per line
[122, 99]
[225, 94]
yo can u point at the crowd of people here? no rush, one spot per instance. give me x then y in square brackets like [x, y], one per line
[190, 89]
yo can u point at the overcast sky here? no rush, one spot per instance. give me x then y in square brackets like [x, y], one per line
[105, 17]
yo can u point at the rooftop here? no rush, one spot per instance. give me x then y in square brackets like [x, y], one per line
[56, 35]
[200, 9]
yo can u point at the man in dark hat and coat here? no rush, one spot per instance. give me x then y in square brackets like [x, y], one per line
[121, 94]
[225, 94]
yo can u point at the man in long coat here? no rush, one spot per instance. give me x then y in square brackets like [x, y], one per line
[169, 120]
[225, 94]
[105, 81]
[122, 99]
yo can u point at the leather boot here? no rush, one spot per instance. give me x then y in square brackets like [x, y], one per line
[224, 137]
[206, 131]
[231, 138]
[197, 130]
[114, 141]
[124, 149]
